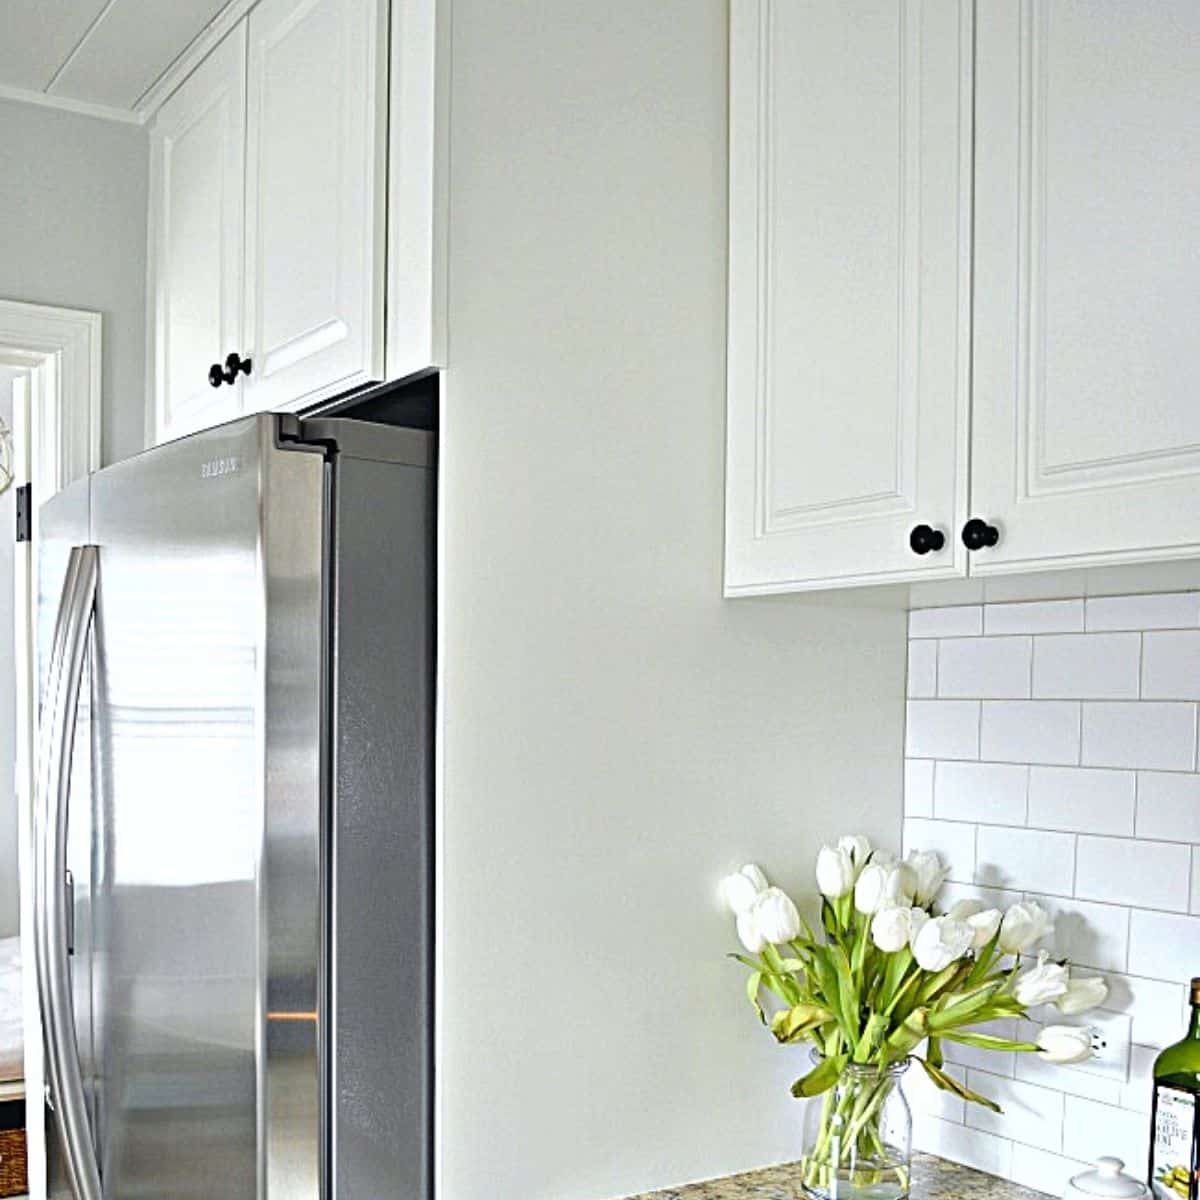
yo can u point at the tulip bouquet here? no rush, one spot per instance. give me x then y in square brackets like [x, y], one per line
[892, 975]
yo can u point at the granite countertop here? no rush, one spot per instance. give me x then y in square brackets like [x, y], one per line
[933, 1179]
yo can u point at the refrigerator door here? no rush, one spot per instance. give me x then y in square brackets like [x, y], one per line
[206, 891]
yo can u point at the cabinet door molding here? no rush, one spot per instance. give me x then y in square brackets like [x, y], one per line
[1086, 444]
[316, 145]
[197, 145]
[849, 291]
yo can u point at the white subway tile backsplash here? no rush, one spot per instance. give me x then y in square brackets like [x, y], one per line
[954, 841]
[1083, 799]
[918, 787]
[1171, 665]
[1087, 666]
[1164, 946]
[1032, 1115]
[1090, 935]
[1168, 806]
[1092, 1129]
[1136, 873]
[1158, 1009]
[1053, 756]
[1050, 616]
[973, 791]
[1045, 1172]
[1154, 735]
[1170, 610]
[942, 729]
[984, 667]
[1030, 859]
[922, 669]
[964, 620]
[977, 1149]
[1029, 731]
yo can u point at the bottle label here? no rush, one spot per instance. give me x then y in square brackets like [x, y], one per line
[1171, 1166]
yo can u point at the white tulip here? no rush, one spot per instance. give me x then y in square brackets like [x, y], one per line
[835, 872]
[1025, 924]
[929, 874]
[984, 925]
[965, 908]
[1081, 994]
[893, 928]
[883, 884]
[858, 847]
[749, 933]
[941, 941]
[1064, 1044]
[775, 916]
[1041, 984]
[743, 887]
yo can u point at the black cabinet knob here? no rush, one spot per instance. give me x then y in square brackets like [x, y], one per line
[924, 538]
[235, 364]
[216, 376]
[977, 534]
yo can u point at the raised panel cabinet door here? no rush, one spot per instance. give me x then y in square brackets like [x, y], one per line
[197, 147]
[1086, 420]
[849, 291]
[317, 128]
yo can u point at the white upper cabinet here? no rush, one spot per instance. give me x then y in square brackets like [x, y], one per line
[1087, 309]
[317, 125]
[918, 307]
[197, 143]
[849, 300]
[297, 210]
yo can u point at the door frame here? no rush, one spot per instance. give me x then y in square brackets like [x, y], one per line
[56, 439]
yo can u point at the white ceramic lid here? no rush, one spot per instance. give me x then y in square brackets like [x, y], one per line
[1108, 1179]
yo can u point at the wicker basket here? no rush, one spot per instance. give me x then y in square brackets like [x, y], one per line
[14, 1180]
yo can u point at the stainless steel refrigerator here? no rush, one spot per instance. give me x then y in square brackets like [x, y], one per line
[234, 817]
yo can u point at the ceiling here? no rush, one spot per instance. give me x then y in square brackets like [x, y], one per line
[99, 54]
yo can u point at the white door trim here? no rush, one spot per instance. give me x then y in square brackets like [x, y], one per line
[56, 439]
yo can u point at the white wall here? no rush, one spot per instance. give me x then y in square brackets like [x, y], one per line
[73, 233]
[9, 893]
[616, 735]
[1052, 753]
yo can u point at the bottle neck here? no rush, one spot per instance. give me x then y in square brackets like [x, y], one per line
[1193, 1033]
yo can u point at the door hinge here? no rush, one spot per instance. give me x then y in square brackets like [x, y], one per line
[24, 514]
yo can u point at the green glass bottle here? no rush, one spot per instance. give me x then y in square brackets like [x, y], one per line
[1173, 1121]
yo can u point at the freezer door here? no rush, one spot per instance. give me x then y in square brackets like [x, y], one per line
[206, 891]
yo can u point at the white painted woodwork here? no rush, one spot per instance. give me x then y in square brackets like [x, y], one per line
[197, 147]
[1086, 425]
[416, 187]
[315, 172]
[848, 290]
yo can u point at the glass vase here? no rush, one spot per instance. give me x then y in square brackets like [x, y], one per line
[857, 1137]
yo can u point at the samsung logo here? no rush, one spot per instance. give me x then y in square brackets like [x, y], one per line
[220, 466]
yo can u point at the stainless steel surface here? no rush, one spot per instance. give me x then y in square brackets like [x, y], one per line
[381, 1016]
[57, 732]
[251, 835]
[366, 440]
[206, 909]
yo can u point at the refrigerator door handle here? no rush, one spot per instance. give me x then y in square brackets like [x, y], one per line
[51, 916]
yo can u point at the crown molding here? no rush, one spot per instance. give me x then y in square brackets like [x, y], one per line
[149, 102]
[82, 108]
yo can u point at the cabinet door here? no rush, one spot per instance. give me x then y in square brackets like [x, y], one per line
[314, 205]
[1086, 428]
[196, 215]
[849, 295]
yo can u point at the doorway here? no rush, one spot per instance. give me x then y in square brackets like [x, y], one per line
[50, 408]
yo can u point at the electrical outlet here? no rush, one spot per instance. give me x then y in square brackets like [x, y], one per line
[1111, 1036]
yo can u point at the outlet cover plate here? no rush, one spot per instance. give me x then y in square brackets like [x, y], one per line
[1111, 1037]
